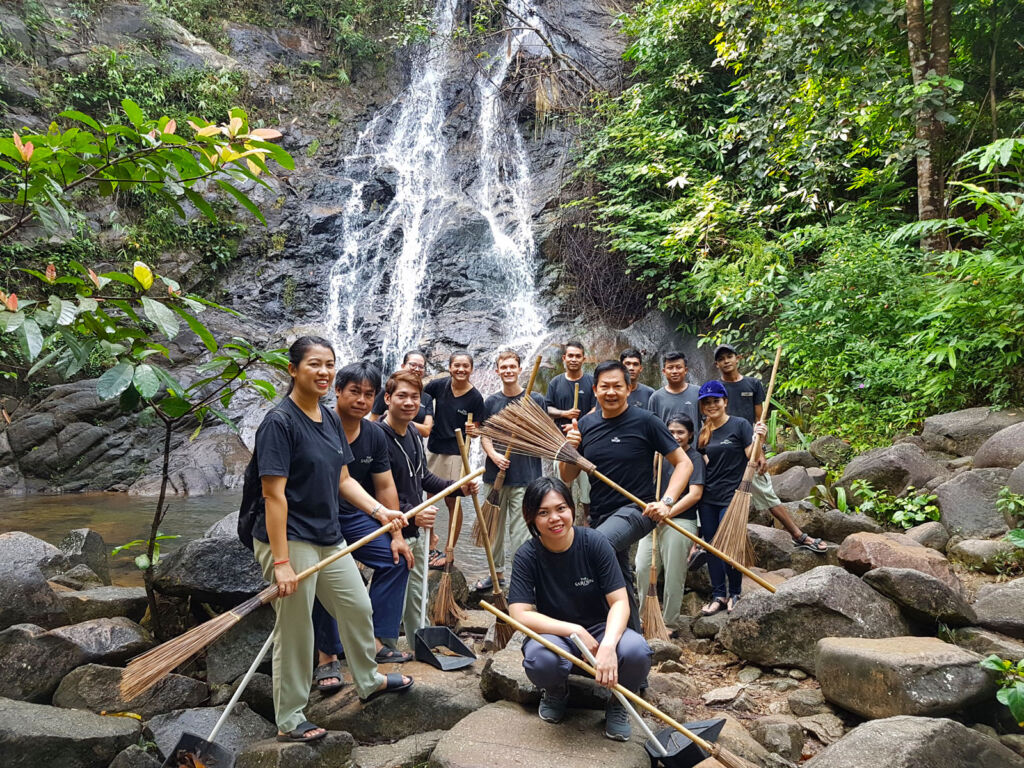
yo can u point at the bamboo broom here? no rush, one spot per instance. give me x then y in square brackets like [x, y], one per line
[490, 512]
[147, 669]
[721, 754]
[502, 632]
[650, 615]
[445, 611]
[731, 536]
[531, 432]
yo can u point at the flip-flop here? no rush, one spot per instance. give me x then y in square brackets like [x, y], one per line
[717, 605]
[730, 606]
[299, 733]
[394, 684]
[806, 542]
[326, 671]
[433, 557]
[486, 583]
[388, 655]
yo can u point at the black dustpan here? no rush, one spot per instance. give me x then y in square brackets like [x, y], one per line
[429, 638]
[683, 753]
[202, 752]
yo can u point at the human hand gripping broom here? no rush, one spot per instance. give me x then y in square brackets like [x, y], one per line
[445, 611]
[490, 512]
[732, 536]
[146, 670]
[650, 615]
[529, 431]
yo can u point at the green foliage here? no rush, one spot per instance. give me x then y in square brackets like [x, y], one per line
[1011, 505]
[1009, 677]
[143, 562]
[904, 511]
[830, 495]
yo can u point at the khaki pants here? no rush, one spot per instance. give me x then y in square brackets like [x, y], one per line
[510, 515]
[762, 494]
[343, 594]
[414, 614]
[673, 553]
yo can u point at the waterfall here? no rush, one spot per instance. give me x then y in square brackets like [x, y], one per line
[444, 190]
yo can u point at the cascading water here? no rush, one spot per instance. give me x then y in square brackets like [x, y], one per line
[450, 191]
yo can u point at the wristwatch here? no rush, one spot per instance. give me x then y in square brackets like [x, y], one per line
[667, 500]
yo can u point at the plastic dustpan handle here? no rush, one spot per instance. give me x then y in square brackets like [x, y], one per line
[241, 687]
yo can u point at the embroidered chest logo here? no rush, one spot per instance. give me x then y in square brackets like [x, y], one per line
[746, 394]
[584, 581]
[727, 441]
[616, 440]
[462, 412]
[366, 460]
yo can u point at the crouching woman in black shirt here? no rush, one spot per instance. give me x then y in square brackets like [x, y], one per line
[566, 580]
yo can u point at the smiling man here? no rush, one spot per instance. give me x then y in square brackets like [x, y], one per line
[559, 401]
[415, 362]
[639, 393]
[622, 441]
[678, 396]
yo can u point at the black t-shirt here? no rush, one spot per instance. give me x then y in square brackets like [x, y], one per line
[311, 455]
[727, 459]
[370, 457]
[522, 469]
[640, 396]
[450, 413]
[696, 478]
[426, 406]
[571, 585]
[623, 448]
[409, 469]
[560, 395]
[743, 396]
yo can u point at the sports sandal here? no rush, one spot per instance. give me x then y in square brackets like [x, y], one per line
[803, 541]
[486, 583]
[715, 606]
[388, 655]
[299, 734]
[436, 560]
[394, 684]
[326, 671]
[730, 606]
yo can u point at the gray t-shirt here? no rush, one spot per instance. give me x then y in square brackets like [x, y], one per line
[664, 404]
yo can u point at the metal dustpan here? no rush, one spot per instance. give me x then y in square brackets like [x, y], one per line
[193, 751]
[683, 753]
[455, 656]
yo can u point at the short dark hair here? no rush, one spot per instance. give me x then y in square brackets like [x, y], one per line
[534, 495]
[410, 353]
[453, 355]
[610, 365]
[672, 355]
[630, 352]
[682, 420]
[403, 377]
[573, 343]
[358, 373]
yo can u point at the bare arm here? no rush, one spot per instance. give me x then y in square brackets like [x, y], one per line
[606, 658]
[277, 532]
[425, 428]
[356, 495]
[492, 453]
[683, 468]
[694, 494]
[542, 624]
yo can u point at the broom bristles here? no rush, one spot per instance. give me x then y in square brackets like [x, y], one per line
[502, 632]
[651, 618]
[527, 430]
[445, 611]
[489, 514]
[729, 759]
[731, 536]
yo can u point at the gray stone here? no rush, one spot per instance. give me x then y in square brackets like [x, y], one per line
[737, 739]
[411, 751]
[437, 700]
[749, 674]
[780, 462]
[783, 684]
[503, 678]
[104, 603]
[824, 726]
[794, 484]
[1016, 480]
[1014, 741]
[781, 734]
[33, 735]
[900, 676]
[135, 757]
[95, 687]
[798, 674]
[773, 547]
[25, 562]
[83, 546]
[232, 654]
[708, 627]
[225, 528]
[892, 468]
[968, 503]
[830, 451]
[664, 650]
[1000, 607]
[963, 432]
[783, 629]
[865, 552]
[915, 742]
[107, 641]
[932, 534]
[219, 571]
[804, 560]
[721, 696]
[32, 662]
[807, 701]
[504, 735]
[78, 577]
[258, 694]
[921, 597]
[333, 750]
[1004, 449]
[985, 555]
[987, 642]
[830, 524]
[242, 728]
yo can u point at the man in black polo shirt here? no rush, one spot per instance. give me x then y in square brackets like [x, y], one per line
[415, 362]
[623, 441]
[639, 393]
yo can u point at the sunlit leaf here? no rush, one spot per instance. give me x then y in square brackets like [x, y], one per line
[143, 274]
[115, 380]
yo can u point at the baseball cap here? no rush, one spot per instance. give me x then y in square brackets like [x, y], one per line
[713, 388]
[721, 348]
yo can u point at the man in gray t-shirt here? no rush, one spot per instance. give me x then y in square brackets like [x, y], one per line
[677, 396]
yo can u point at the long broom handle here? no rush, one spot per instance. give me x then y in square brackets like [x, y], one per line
[692, 537]
[712, 749]
[576, 397]
[484, 533]
[499, 480]
[658, 461]
[767, 404]
[657, 745]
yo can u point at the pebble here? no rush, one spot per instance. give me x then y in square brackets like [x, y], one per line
[783, 685]
[672, 666]
[798, 674]
[749, 674]
[721, 695]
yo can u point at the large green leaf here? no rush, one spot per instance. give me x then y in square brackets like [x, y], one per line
[115, 381]
[242, 198]
[161, 316]
[134, 113]
[33, 338]
[197, 327]
[146, 381]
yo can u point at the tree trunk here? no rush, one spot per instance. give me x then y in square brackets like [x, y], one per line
[158, 518]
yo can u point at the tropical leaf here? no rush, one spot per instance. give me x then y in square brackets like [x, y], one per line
[162, 317]
[115, 380]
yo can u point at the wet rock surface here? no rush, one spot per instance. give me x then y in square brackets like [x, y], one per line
[83, 546]
[221, 571]
[104, 603]
[32, 662]
[107, 641]
[94, 687]
[334, 749]
[242, 728]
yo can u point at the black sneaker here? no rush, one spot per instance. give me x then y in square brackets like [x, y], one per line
[616, 721]
[552, 708]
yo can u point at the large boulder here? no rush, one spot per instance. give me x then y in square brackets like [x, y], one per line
[968, 503]
[83, 546]
[1016, 480]
[25, 564]
[218, 570]
[22, 549]
[864, 552]
[783, 629]
[915, 742]
[225, 528]
[32, 662]
[334, 749]
[107, 641]
[892, 468]
[883, 677]
[504, 735]
[830, 524]
[1004, 449]
[963, 432]
[773, 547]
[33, 735]
[830, 451]
[95, 687]
[794, 484]
[242, 727]
[932, 534]
[986, 642]
[503, 678]
[1000, 607]
[985, 555]
[104, 603]
[233, 653]
[781, 462]
[921, 596]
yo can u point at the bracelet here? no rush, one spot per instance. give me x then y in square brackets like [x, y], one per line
[281, 562]
[376, 509]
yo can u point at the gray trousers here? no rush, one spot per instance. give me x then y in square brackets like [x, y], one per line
[623, 528]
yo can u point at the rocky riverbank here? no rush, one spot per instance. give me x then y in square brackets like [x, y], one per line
[867, 655]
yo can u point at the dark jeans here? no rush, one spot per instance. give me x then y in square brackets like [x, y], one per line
[710, 518]
[623, 528]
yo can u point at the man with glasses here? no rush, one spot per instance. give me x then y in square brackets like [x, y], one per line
[415, 362]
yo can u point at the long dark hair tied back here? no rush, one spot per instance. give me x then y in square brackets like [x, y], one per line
[298, 350]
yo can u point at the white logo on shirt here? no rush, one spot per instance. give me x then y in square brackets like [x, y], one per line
[366, 460]
[746, 394]
[585, 581]
[616, 440]
[727, 441]
[462, 412]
